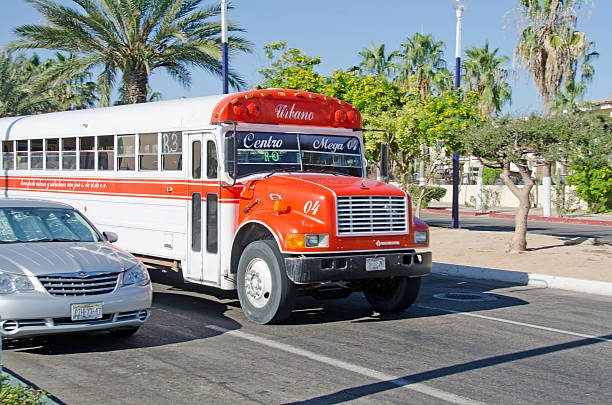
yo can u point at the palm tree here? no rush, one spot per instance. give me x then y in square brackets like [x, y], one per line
[485, 75]
[375, 62]
[422, 59]
[549, 46]
[72, 90]
[17, 95]
[133, 37]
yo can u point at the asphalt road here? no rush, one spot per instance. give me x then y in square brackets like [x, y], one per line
[485, 223]
[513, 345]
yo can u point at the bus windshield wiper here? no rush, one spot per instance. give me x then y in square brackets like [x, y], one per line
[284, 169]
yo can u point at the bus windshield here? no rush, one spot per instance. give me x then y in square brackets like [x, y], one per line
[261, 152]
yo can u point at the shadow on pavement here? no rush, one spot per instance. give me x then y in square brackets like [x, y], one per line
[369, 389]
[469, 295]
[179, 314]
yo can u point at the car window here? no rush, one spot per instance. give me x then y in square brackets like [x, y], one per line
[44, 224]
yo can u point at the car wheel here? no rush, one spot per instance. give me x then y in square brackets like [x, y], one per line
[266, 294]
[393, 294]
[124, 331]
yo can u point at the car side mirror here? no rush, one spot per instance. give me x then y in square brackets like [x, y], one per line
[111, 237]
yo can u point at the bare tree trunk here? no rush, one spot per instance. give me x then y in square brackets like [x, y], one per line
[546, 183]
[422, 166]
[519, 239]
[135, 87]
[479, 187]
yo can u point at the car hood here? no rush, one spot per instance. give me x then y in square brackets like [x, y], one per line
[63, 257]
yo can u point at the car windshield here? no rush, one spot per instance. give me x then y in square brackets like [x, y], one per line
[261, 152]
[44, 225]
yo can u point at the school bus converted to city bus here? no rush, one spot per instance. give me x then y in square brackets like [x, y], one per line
[262, 191]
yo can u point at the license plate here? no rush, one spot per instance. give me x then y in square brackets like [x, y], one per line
[84, 312]
[375, 263]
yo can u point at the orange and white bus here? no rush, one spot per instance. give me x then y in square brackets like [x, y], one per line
[261, 191]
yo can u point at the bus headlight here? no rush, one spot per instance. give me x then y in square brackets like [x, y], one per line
[313, 240]
[420, 237]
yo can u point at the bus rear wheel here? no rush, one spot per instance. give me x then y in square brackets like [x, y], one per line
[393, 294]
[266, 294]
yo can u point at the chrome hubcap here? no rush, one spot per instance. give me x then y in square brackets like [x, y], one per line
[258, 282]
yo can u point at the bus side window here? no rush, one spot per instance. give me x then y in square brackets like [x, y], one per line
[8, 155]
[147, 152]
[22, 155]
[172, 151]
[106, 152]
[126, 149]
[196, 222]
[52, 154]
[87, 153]
[196, 153]
[211, 160]
[36, 154]
[69, 153]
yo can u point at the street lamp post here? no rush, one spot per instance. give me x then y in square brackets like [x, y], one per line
[224, 57]
[459, 8]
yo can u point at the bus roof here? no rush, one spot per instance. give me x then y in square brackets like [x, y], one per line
[270, 106]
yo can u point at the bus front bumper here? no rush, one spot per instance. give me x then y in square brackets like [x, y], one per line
[310, 269]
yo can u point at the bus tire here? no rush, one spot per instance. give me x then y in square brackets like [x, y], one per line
[266, 294]
[393, 294]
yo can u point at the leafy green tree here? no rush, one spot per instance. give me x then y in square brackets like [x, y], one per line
[291, 68]
[587, 147]
[422, 63]
[375, 62]
[369, 94]
[134, 37]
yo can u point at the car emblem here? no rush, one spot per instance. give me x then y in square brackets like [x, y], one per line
[82, 274]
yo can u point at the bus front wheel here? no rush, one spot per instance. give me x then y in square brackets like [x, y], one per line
[393, 294]
[266, 294]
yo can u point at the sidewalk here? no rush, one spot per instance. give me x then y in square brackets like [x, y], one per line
[535, 214]
[576, 264]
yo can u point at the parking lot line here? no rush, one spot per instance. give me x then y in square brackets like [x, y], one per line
[397, 381]
[508, 321]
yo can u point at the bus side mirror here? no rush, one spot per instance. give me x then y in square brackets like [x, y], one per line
[384, 162]
[230, 154]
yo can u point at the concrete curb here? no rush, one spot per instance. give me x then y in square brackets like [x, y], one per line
[521, 278]
[595, 222]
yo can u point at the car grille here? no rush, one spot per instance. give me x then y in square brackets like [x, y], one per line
[92, 283]
[371, 214]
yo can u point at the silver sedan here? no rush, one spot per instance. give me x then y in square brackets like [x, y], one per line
[58, 273]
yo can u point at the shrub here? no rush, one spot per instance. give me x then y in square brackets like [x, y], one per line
[431, 194]
[594, 186]
[19, 394]
[489, 175]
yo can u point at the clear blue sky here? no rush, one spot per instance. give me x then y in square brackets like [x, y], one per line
[336, 30]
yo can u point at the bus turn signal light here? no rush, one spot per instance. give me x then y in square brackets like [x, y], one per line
[300, 240]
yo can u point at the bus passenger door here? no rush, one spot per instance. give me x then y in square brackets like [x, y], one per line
[203, 260]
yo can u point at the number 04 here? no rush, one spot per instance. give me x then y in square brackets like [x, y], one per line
[311, 207]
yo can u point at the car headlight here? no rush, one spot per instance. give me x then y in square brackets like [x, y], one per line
[137, 275]
[420, 237]
[300, 240]
[12, 283]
